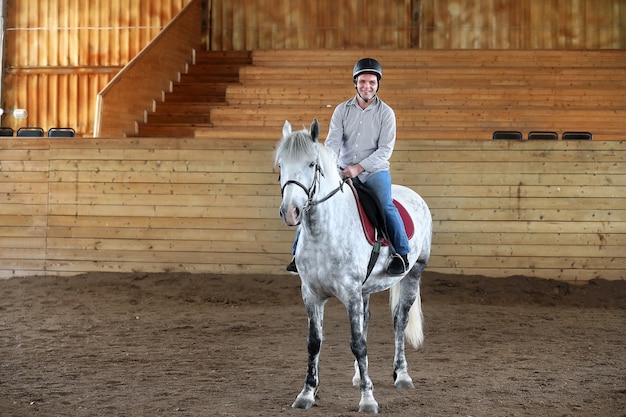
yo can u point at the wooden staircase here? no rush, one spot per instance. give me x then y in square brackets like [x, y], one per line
[187, 107]
[437, 94]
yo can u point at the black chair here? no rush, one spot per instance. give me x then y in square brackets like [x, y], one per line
[6, 131]
[61, 132]
[31, 132]
[577, 136]
[507, 134]
[543, 136]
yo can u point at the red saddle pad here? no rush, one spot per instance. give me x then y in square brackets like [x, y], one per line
[368, 227]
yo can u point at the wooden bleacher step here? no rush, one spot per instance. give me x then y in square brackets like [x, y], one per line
[452, 94]
[187, 106]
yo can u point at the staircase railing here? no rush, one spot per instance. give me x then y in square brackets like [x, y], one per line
[125, 98]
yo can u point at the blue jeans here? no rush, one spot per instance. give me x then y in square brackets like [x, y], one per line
[380, 184]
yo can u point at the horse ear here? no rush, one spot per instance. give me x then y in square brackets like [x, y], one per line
[315, 130]
[286, 128]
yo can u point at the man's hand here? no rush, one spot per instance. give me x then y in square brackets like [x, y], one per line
[352, 171]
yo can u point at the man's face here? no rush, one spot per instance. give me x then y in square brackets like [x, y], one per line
[367, 84]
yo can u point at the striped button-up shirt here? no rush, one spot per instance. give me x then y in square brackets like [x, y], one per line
[365, 137]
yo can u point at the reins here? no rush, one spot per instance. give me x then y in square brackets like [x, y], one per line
[311, 203]
[310, 192]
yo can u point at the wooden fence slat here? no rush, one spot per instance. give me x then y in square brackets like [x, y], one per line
[537, 238]
[538, 263]
[560, 227]
[526, 203]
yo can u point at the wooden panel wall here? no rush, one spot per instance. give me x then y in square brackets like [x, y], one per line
[427, 24]
[525, 24]
[294, 24]
[54, 97]
[24, 170]
[75, 33]
[551, 209]
[77, 50]
[536, 208]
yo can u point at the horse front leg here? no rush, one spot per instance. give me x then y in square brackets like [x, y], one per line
[356, 379]
[306, 398]
[358, 345]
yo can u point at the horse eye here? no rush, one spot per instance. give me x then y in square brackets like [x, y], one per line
[312, 164]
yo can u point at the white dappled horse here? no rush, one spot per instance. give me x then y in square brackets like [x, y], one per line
[332, 256]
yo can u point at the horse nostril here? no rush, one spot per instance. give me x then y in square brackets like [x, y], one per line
[297, 211]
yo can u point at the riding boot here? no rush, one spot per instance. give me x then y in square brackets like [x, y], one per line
[398, 264]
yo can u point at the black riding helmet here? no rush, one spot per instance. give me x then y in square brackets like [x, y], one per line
[367, 66]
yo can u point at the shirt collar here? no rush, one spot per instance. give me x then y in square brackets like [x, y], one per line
[355, 102]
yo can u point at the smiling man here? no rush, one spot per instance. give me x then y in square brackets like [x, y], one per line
[362, 135]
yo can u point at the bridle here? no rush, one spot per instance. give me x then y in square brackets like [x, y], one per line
[310, 192]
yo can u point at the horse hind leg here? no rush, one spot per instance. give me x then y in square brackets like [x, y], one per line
[306, 398]
[406, 308]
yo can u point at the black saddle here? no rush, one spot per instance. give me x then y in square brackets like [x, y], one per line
[372, 208]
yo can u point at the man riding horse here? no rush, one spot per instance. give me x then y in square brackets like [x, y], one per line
[362, 136]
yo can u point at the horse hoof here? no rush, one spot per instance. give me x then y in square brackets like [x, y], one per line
[404, 384]
[403, 380]
[303, 403]
[369, 408]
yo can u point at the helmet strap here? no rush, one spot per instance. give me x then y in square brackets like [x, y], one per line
[365, 99]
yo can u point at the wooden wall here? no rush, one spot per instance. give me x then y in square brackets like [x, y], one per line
[426, 24]
[61, 53]
[550, 209]
[304, 24]
[522, 24]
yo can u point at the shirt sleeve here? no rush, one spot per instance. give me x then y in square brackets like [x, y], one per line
[379, 159]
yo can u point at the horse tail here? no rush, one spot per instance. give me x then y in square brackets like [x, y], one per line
[414, 332]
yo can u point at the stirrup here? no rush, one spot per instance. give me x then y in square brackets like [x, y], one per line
[398, 264]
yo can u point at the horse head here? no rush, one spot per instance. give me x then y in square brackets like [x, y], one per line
[298, 157]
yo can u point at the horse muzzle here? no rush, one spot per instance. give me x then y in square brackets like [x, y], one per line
[290, 214]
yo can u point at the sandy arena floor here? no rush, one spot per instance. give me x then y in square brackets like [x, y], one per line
[212, 345]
